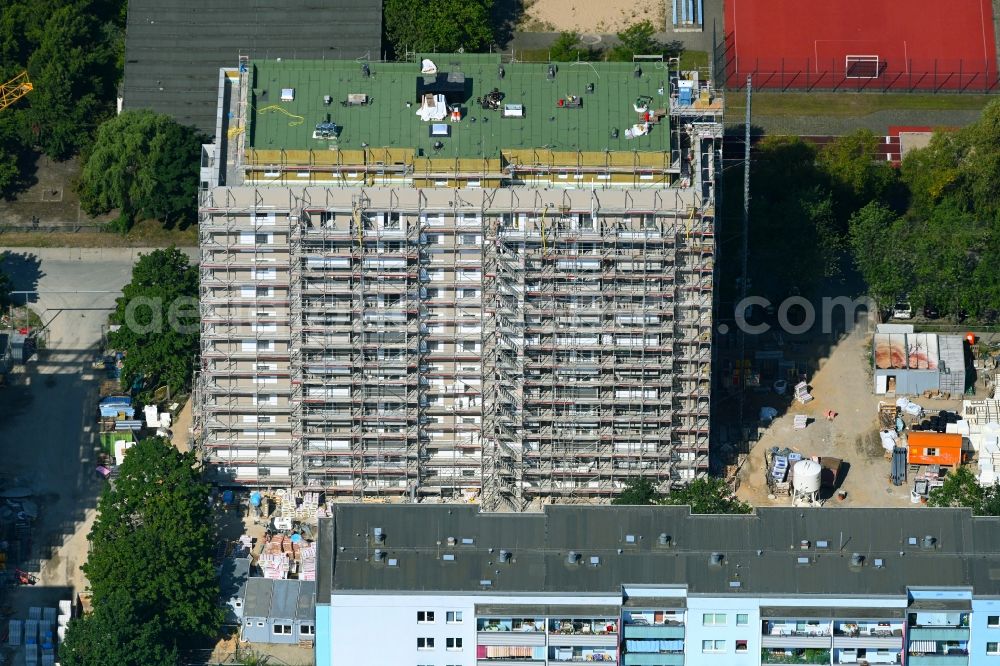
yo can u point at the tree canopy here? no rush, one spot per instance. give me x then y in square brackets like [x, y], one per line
[143, 164]
[73, 51]
[707, 494]
[638, 39]
[638, 490]
[962, 489]
[443, 26]
[704, 495]
[159, 321]
[150, 565]
[795, 239]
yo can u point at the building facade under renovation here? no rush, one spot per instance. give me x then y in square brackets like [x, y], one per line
[461, 279]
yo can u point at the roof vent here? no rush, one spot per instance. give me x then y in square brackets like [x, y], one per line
[716, 559]
[911, 541]
[448, 557]
[663, 539]
[637, 73]
[467, 541]
[590, 87]
[451, 541]
[504, 555]
[804, 561]
[857, 560]
[501, 72]
[804, 544]
[379, 554]
[572, 557]
[735, 584]
[393, 562]
[879, 563]
[595, 560]
[365, 70]
[928, 542]
[379, 535]
[629, 538]
[822, 543]
[486, 582]
[550, 73]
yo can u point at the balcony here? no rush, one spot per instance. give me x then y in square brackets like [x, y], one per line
[939, 633]
[654, 631]
[810, 656]
[938, 660]
[652, 659]
[529, 638]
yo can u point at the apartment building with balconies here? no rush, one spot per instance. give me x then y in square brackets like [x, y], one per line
[657, 586]
[458, 278]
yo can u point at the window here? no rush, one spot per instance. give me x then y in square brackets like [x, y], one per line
[741, 646]
[425, 617]
[469, 293]
[713, 646]
[993, 620]
[453, 617]
[932, 452]
[993, 648]
[453, 643]
[282, 629]
[742, 619]
[468, 346]
[306, 630]
[425, 643]
[713, 619]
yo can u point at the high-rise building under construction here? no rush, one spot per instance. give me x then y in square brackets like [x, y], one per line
[458, 278]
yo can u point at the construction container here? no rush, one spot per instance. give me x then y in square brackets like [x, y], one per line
[934, 448]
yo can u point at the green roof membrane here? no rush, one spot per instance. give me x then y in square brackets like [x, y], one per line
[387, 122]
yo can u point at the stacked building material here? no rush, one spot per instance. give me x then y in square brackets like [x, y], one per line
[307, 562]
[277, 556]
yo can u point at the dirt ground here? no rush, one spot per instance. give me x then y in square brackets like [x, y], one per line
[591, 16]
[51, 199]
[843, 384]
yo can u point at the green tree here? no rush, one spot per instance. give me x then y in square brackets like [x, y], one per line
[638, 39]
[74, 89]
[144, 165]
[442, 26]
[707, 495]
[153, 539]
[857, 178]
[567, 48]
[876, 238]
[158, 314]
[795, 242]
[117, 632]
[638, 490]
[962, 489]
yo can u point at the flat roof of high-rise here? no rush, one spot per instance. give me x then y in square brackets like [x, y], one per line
[784, 551]
[608, 94]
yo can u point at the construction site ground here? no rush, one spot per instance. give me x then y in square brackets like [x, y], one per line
[842, 383]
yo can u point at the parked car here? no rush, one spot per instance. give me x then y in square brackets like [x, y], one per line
[902, 310]
[931, 312]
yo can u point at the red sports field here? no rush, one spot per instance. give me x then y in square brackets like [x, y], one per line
[870, 44]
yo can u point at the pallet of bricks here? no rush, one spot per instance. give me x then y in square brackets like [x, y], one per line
[277, 556]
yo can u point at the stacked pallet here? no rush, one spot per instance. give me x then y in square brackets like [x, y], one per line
[277, 556]
[307, 566]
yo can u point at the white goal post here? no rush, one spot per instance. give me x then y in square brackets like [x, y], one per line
[862, 67]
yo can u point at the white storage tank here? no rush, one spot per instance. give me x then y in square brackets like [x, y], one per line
[806, 477]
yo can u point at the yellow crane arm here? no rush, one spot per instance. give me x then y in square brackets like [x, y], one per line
[15, 89]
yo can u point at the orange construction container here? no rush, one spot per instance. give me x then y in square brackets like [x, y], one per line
[934, 448]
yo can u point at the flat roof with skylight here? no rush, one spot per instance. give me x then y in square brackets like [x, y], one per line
[459, 105]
